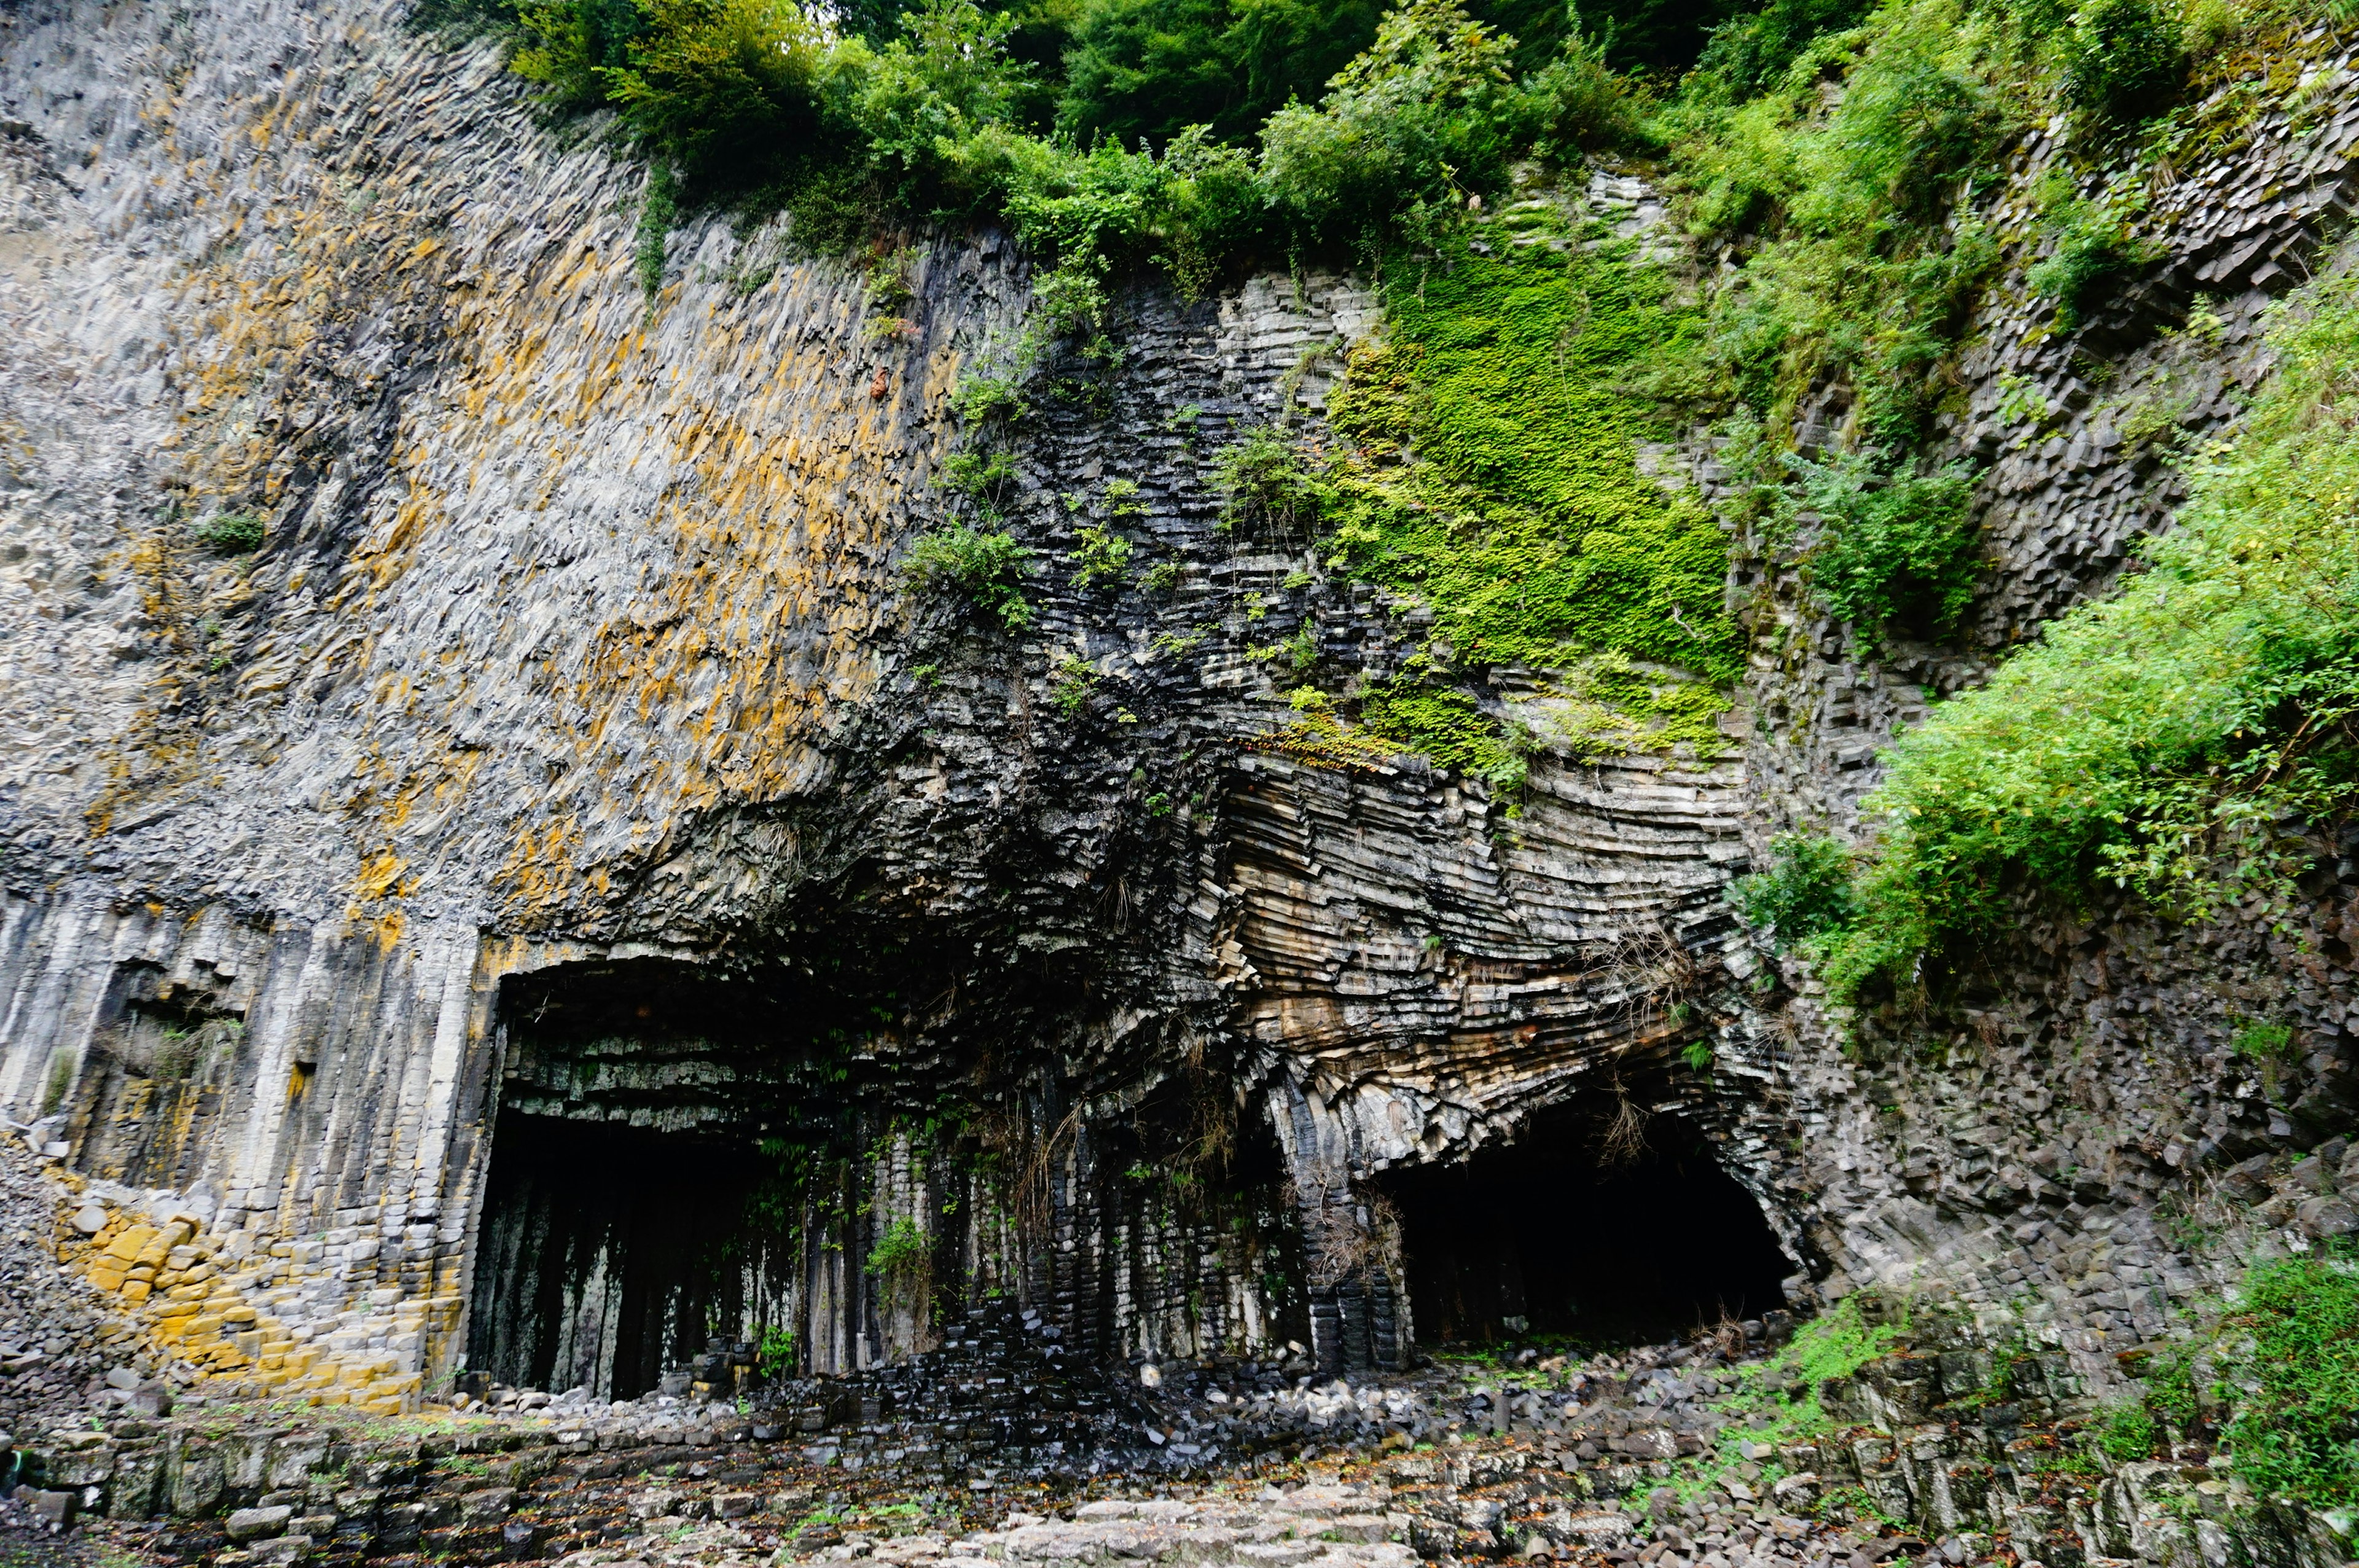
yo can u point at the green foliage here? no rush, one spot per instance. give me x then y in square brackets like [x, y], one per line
[1268, 486]
[2095, 246]
[902, 1253]
[2169, 741]
[2292, 1354]
[2259, 1041]
[1753, 52]
[1804, 892]
[987, 567]
[709, 86]
[2122, 58]
[1859, 274]
[1072, 683]
[1777, 1400]
[658, 210]
[1102, 556]
[980, 398]
[1449, 727]
[1896, 549]
[1523, 518]
[979, 476]
[230, 533]
[1149, 68]
[774, 1357]
[1698, 1054]
[2125, 1431]
[1430, 112]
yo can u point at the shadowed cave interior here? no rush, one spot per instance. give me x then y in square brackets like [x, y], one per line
[678, 1157]
[1543, 1237]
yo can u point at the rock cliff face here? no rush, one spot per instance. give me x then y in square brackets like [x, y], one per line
[568, 857]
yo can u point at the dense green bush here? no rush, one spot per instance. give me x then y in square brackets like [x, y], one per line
[2292, 1355]
[1428, 112]
[712, 86]
[2169, 741]
[986, 566]
[1896, 550]
[2095, 246]
[1804, 892]
[1749, 53]
[1152, 68]
[2122, 58]
[1858, 272]
[1267, 487]
[232, 533]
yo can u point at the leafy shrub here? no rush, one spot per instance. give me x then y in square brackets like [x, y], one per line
[2293, 1352]
[1071, 684]
[1101, 556]
[901, 1252]
[712, 86]
[2126, 1432]
[1263, 482]
[2122, 58]
[980, 398]
[1862, 272]
[1897, 549]
[1752, 52]
[988, 567]
[1150, 69]
[1805, 889]
[2095, 246]
[978, 476]
[658, 209]
[230, 533]
[2168, 741]
[1426, 113]
[776, 1355]
[1578, 102]
[570, 45]
[2267, 1043]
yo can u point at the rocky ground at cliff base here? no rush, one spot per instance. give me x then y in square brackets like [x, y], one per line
[1520, 1455]
[54, 1332]
[1928, 1446]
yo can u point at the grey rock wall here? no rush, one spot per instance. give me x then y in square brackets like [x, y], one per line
[577, 643]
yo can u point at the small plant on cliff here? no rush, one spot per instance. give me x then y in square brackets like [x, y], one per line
[774, 1357]
[2122, 58]
[1100, 556]
[1898, 548]
[1804, 891]
[2125, 1431]
[2265, 1042]
[988, 567]
[1071, 684]
[2096, 245]
[1265, 484]
[901, 1252]
[230, 533]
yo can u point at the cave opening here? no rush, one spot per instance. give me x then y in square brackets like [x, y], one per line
[1550, 1237]
[658, 1130]
[610, 1255]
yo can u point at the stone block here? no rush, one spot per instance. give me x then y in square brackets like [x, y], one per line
[253, 1524]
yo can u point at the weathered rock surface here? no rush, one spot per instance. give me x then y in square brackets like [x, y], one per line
[573, 759]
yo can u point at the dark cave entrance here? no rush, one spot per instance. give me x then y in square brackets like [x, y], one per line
[1541, 1239]
[632, 1213]
[609, 1255]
